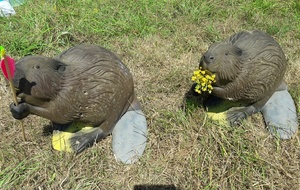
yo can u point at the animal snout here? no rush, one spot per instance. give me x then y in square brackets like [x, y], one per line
[208, 57]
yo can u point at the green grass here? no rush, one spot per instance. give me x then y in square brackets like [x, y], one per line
[161, 42]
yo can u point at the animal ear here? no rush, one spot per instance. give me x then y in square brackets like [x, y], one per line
[239, 51]
[61, 68]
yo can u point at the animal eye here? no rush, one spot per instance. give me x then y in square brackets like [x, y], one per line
[36, 67]
[226, 53]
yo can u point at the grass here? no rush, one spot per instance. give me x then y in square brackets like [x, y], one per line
[161, 42]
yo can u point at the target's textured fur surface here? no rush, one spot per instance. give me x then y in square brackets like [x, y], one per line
[249, 67]
[86, 83]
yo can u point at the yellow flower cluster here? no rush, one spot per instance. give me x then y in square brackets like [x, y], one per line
[204, 79]
[2, 52]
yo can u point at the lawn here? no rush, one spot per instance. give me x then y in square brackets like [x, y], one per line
[161, 42]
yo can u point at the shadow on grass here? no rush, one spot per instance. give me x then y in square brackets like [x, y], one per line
[48, 129]
[192, 100]
[155, 187]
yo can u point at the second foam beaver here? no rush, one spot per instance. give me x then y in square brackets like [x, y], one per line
[249, 67]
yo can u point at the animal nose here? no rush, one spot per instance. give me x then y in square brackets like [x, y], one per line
[202, 63]
[208, 58]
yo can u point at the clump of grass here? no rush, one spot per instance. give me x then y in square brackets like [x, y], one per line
[161, 42]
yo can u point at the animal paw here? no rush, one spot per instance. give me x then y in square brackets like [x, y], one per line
[20, 111]
[84, 139]
[80, 142]
[76, 137]
[235, 117]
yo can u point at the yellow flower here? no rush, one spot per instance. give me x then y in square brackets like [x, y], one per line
[2, 52]
[203, 79]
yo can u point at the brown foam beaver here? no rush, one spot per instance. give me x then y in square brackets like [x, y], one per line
[249, 67]
[85, 83]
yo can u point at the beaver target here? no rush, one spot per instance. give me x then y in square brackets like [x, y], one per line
[86, 84]
[249, 67]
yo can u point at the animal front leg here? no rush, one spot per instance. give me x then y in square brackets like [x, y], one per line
[221, 93]
[23, 109]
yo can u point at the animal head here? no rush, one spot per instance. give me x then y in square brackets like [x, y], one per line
[224, 60]
[37, 78]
